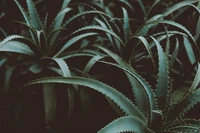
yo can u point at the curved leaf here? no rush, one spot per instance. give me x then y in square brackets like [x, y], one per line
[126, 124]
[9, 38]
[163, 80]
[174, 55]
[144, 96]
[17, 47]
[189, 50]
[73, 40]
[26, 17]
[91, 63]
[100, 29]
[125, 104]
[83, 14]
[126, 25]
[49, 104]
[147, 46]
[149, 25]
[65, 4]
[186, 121]
[182, 108]
[57, 23]
[34, 17]
[177, 6]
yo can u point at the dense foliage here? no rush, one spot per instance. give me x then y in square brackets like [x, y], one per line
[105, 66]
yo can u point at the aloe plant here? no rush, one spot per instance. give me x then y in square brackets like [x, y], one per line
[161, 110]
[36, 55]
[129, 45]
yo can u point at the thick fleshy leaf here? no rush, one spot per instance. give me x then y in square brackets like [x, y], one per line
[57, 23]
[183, 107]
[144, 96]
[74, 40]
[163, 80]
[174, 55]
[197, 34]
[10, 38]
[85, 13]
[184, 121]
[8, 76]
[91, 63]
[177, 6]
[189, 50]
[126, 25]
[125, 104]
[29, 43]
[49, 104]
[183, 129]
[145, 28]
[63, 66]
[27, 19]
[66, 73]
[17, 47]
[126, 124]
[147, 46]
[102, 24]
[100, 30]
[180, 94]
[65, 57]
[65, 4]
[34, 17]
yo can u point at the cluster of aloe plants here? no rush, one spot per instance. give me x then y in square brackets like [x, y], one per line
[101, 66]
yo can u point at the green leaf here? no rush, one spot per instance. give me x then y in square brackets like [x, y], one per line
[152, 7]
[84, 14]
[30, 44]
[49, 105]
[184, 121]
[3, 32]
[149, 25]
[26, 17]
[8, 76]
[125, 104]
[100, 29]
[198, 24]
[144, 96]
[66, 73]
[91, 63]
[57, 23]
[126, 124]
[65, 57]
[189, 50]
[63, 66]
[126, 25]
[74, 40]
[34, 17]
[189, 99]
[17, 47]
[167, 49]
[174, 55]
[163, 80]
[102, 24]
[184, 129]
[65, 4]
[10, 38]
[177, 6]
[147, 46]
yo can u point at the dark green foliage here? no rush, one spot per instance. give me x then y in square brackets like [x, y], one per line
[75, 66]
